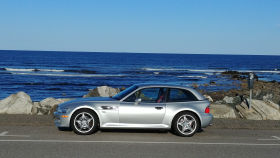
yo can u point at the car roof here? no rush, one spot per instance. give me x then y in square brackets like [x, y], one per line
[159, 85]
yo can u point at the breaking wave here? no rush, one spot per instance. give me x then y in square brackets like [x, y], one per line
[218, 70]
[28, 70]
[53, 84]
[164, 69]
[189, 70]
[261, 71]
[83, 71]
[69, 75]
[192, 76]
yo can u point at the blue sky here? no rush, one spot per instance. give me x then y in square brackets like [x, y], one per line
[158, 26]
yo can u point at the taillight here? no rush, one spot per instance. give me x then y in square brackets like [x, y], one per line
[207, 110]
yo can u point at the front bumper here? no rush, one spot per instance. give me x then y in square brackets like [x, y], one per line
[61, 121]
[206, 120]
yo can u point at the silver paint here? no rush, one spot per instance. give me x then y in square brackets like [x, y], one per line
[114, 113]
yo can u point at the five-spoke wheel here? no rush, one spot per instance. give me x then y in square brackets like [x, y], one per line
[185, 124]
[84, 122]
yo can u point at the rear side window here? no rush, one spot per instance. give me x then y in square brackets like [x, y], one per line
[180, 95]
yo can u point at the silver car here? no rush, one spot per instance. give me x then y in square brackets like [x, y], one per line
[141, 106]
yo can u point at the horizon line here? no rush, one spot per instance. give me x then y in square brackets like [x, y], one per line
[128, 52]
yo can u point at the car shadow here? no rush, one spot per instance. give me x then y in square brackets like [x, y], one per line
[131, 130]
[142, 130]
[135, 130]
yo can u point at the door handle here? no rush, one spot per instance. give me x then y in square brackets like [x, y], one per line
[158, 107]
[106, 107]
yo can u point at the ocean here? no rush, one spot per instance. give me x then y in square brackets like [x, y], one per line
[43, 74]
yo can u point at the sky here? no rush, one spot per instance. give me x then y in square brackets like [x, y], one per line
[146, 26]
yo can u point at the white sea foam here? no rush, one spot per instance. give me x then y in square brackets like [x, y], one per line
[261, 71]
[28, 70]
[12, 69]
[163, 69]
[270, 72]
[51, 70]
[175, 69]
[192, 76]
[206, 70]
[209, 74]
[69, 75]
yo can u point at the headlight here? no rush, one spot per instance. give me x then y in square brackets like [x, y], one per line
[62, 110]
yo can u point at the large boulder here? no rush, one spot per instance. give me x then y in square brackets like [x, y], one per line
[102, 91]
[267, 91]
[46, 106]
[233, 101]
[222, 111]
[272, 104]
[19, 103]
[260, 110]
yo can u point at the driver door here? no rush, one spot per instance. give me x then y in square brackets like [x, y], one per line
[150, 110]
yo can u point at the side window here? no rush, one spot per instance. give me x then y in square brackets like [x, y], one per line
[180, 95]
[131, 98]
[148, 95]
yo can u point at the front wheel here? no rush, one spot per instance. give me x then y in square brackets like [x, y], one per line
[84, 122]
[185, 124]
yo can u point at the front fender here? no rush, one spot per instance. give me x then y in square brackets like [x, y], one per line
[86, 107]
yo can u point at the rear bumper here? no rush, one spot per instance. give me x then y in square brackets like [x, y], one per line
[206, 120]
[61, 121]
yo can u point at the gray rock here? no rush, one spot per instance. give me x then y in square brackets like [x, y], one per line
[228, 100]
[232, 100]
[222, 111]
[208, 97]
[47, 106]
[35, 107]
[102, 91]
[19, 103]
[259, 110]
[272, 104]
[49, 102]
[268, 97]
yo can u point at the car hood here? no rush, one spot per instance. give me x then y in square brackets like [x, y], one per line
[90, 99]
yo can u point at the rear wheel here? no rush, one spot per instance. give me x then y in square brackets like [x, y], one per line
[84, 122]
[185, 124]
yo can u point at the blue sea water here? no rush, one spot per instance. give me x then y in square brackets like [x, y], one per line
[44, 74]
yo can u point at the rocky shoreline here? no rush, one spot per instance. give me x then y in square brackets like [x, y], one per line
[232, 104]
[21, 103]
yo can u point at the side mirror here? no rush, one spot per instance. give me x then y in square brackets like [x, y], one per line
[138, 100]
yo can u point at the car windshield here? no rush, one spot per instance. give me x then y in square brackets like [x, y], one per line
[125, 92]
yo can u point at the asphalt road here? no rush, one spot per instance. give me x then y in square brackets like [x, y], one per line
[47, 141]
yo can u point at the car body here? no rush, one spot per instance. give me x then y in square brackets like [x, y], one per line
[157, 106]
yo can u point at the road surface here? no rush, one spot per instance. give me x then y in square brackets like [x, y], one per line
[48, 142]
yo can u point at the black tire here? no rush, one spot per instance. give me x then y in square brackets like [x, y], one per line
[64, 128]
[185, 124]
[84, 122]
